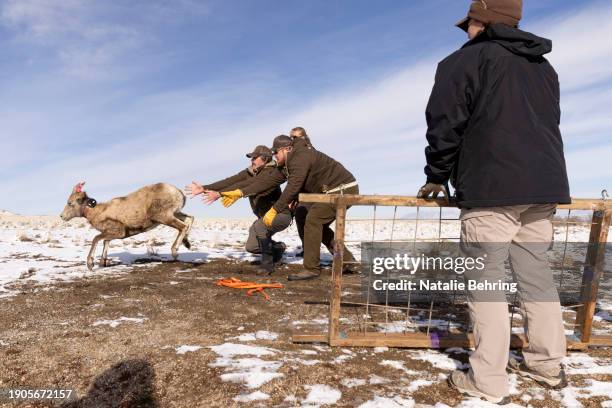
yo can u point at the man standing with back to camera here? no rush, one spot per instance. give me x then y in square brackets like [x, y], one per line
[493, 132]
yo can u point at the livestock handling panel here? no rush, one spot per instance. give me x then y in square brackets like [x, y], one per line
[421, 330]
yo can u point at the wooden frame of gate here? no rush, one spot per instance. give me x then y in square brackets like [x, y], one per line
[593, 270]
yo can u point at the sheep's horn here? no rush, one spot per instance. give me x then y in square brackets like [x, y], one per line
[79, 187]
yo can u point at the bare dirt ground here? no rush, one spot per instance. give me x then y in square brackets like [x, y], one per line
[52, 342]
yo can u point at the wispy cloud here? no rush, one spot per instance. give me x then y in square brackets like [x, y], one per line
[87, 37]
[376, 127]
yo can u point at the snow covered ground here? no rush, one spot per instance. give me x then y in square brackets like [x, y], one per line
[46, 249]
[43, 249]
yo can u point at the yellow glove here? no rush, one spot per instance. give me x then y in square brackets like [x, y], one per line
[230, 197]
[268, 218]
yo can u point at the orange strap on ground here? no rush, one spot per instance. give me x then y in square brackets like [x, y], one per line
[252, 286]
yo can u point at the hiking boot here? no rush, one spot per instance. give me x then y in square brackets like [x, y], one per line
[460, 381]
[304, 275]
[267, 262]
[278, 249]
[553, 382]
[350, 269]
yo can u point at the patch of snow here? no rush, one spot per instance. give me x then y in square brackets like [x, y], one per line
[249, 371]
[186, 349]
[254, 396]
[437, 359]
[479, 403]
[117, 322]
[514, 383]
[309, 352]
[319, 394]
[581, 363]
[398, 365]
[304, 362]
[388, 402]
[401, 326]
[232, 349]
[416, 384]
[259, 335]
[290, 398]
[380, 349]
[341, 359]
[376, 379]
[599, 388]
[353, 382]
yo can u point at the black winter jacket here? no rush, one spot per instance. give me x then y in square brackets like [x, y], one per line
[493, 122]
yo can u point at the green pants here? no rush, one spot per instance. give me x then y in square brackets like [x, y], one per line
[317, 232]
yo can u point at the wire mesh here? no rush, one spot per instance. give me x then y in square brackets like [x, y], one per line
[443, 314]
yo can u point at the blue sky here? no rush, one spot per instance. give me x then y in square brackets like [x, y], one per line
[123, 94]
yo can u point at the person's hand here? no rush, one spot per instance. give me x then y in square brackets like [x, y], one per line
[434, 190]
[194, 189]
[268, 218]
[293, 205]
[210, 196]
[230, 197]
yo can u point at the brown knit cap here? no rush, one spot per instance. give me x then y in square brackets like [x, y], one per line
[494, 11]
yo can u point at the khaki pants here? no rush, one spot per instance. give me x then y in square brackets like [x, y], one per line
[317, 232]
[523, 233]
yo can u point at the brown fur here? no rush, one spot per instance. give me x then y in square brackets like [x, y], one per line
[140, 211]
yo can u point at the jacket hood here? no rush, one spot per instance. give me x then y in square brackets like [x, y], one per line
[516, 41]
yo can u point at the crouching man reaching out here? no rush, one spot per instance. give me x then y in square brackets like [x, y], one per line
[261, 183]
[493, 132]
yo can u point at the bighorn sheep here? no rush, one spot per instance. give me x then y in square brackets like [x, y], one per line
[137, 212]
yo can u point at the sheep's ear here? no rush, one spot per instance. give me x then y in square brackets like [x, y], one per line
[79, 187]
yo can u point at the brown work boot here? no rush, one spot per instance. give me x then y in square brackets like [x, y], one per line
[460, 381]
[304, 275]
[552, 381]
[350, 269]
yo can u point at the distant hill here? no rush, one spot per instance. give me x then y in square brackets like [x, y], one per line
[4, 212]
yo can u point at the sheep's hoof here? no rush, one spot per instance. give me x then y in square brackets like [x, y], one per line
[90, 263]
[103, 263]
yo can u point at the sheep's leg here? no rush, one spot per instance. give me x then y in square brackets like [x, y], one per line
[182, 229]
[187, 219]
[104, 259]
[92, 251]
